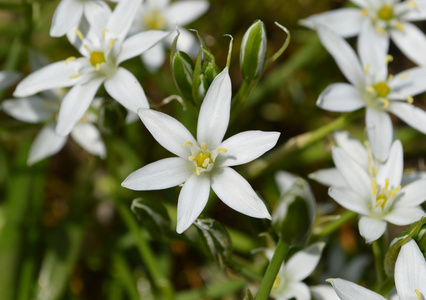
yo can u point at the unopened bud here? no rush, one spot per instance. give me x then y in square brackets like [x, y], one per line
[253, 51]
[183, 71]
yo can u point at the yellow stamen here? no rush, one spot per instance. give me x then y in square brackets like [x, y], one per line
[388, 58]
[206, 162]
[97, 58]
[75, 76]
[413, 4]
[69, 59]
[364, 12]
[98, 67]
[374, 187]
[187, 143]
[386, 184]
[103, 33]
[385, 103]
[204, 146]
[367, 68]
[410, 99]
[370, 89]
[399, 26]
[403, 76]
[198, 171]
[418, 294]
[111, 43]
[380, 30]
[276, 283]
[79, 34]
[389, 78]
[222, 149]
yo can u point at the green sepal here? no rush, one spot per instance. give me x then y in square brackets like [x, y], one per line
[183, 73]
[214, 239]
[152, 215]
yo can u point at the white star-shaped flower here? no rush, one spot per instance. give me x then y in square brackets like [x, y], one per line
[372, 87]
[162, 15]
[376, 22]
[410, 278]
[102, 55]
[376, 194]
[204, 162]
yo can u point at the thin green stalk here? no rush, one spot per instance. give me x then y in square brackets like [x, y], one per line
[241, 97]
[159, 280]
[379, 259]
[125, 276]
[243, 270]
[334, 225]
[297, 143]
[272, 271]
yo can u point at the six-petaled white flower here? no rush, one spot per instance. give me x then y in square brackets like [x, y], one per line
[372, 87]
[102, 55]
[410, 278]
[204, 162]
[376, 22]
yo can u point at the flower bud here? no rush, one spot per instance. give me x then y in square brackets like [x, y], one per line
[183, 71]
[253, 51]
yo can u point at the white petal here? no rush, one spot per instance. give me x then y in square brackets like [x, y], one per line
[154, 58]
[347, 290]
[47, 143]
[66, 17]
[380, 133]
[97, 14]
[215, 111]
[410, 114]
[393, 167]
[89, 137]
[184, 12]
[411, 41]
[352, 147]
[340, 97]
[285, 181]
[126, 89]
[237, 193]
[355, 176]
[410, 271]
[349, 199]
[7, 78]
[192, 200]
[371, 229]
[162, 174]
[372, 50]
[343, 54]
[412, 194]
[141, 42]
[304, 262]
[168, 131]
[298, 290]
[187, 42]
[122, 17]
[346, 22]
[415, 14]
[75, 104]
[323, 292]
[404, 215]
[362, 3]
[52, 76]
[328, 177]
[245, 147]
[408, 83]
[30, 109]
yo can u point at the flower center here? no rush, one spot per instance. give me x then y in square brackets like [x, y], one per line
[382, 89]
[203, 159]
[385, 13]
[97, 58]
[155, 20]
[382, 196]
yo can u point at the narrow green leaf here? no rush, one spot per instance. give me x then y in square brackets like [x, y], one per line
[152, 215]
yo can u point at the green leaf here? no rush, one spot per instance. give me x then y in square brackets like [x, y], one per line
[213, 238]
[152, 215]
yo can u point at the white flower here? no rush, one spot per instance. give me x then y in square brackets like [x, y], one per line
[377, 21]
[68, 14]
[410, 278]
[373, 88]
[44, 109]
[288, 283]
[378, 196]
[162, 15]
[204, 162]
[99, 64]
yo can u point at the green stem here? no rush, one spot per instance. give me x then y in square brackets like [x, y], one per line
[241, 97]
[334, 225]
[379, 258]
[297, 143]
[160, 281]
[272, 271]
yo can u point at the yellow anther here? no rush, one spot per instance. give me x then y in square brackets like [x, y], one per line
[370, 89]
[98, 67]
[75, 76]
[222, 149]
[404, 75]
[386, 184]
[277, 282]
[103, 33]
[192, 158]
[385, 102]
[389, 78]
[413, 4]
[418, 294]
[380, 30]
[206, 162]
[364, 12]
[187, 143]
[198, 171]
[367, 68]
[388, 58]
[374, 187]
[111, 43]
[204, 146]
[79, 34]
[410, 99]
[69, 59]
[399, 26]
